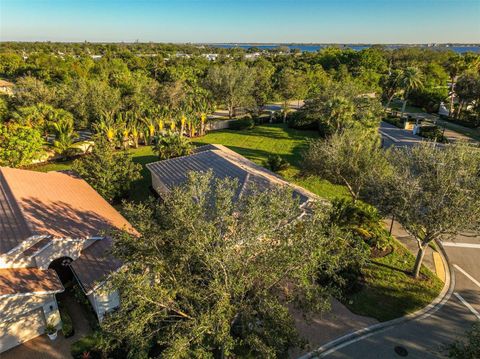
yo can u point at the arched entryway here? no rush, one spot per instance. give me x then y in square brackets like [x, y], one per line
[62, 267]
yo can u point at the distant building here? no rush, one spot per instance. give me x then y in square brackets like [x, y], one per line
[210, 57]
[6, 87]
[253, 56]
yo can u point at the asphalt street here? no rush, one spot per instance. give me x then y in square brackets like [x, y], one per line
[428, 336]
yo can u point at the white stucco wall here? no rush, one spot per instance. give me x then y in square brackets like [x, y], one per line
[13, 306]
[61, 247]
[25, 317]
[104, 302]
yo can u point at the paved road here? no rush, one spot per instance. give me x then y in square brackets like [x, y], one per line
[427, 337]
[394, 136]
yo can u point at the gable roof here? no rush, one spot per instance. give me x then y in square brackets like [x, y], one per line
[28, 281]
[58, 204]
[95, 264]
[224, 163]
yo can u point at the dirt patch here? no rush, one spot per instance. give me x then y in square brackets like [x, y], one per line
[379, 253]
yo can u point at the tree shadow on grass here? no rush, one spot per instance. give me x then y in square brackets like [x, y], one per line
[141, 188]
[409, 273]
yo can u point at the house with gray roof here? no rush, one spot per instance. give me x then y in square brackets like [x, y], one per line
[52, 225]
[224, 163]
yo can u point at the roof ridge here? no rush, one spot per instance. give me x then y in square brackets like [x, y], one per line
[148, 165]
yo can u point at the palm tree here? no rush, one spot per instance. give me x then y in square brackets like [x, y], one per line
[455, 66]
[410, 79]
[65, 136]
[390, 84]
[107, 127]
[338, 112]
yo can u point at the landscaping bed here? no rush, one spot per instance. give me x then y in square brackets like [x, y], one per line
[389, 291]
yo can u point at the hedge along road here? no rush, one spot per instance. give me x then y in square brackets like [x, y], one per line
[428, 334]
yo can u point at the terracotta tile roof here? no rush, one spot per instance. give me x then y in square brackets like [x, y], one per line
[17, 281]
[59, 204]
[224, 163]
[13, 227]
[95, 264]
[4, 83]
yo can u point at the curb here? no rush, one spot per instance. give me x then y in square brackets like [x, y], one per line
[425, 312]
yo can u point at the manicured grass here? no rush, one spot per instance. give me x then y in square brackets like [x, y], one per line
[390, 291]
[256, 144]
[397, 105]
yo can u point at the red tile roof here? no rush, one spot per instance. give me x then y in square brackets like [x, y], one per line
[17, 281]
[59, 204]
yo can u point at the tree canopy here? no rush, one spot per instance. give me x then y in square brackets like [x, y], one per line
[111, 173]
[434, 192]
[213, 274]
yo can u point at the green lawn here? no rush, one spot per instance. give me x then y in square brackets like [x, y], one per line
[255, 144]
[390, 291]
[258, 143]
[397, 105]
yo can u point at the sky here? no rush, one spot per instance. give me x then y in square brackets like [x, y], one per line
[260, 21]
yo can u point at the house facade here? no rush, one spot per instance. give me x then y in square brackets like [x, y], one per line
[49, 220]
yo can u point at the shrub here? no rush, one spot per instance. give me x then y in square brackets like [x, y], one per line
[469, 347]
[87, 344]
[362, 220]
[173, 145]
[19, 145]
[67, 324]
[111, 173]
[242, 124]
[276, 163]
[428, 98]
[301, 121]
[433, 133]
[396, 121]
[470, 121]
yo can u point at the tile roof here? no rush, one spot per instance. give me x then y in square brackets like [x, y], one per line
[59, 204]
[13, 227]
[224, 163]
[17, 281]
[95, 264]
[4, 83]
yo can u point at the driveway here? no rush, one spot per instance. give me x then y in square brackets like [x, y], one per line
[394, 136]
[427, 336]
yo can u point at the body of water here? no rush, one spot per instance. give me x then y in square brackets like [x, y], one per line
[313, 48]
